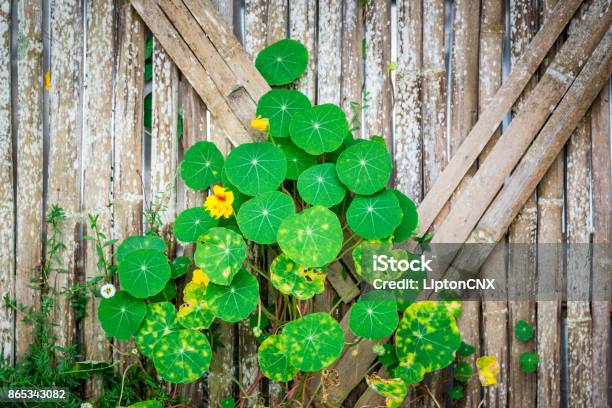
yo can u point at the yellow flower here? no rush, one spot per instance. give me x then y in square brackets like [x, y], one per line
[199, 277]
[488, 368]
[260, 123]
[219, 204]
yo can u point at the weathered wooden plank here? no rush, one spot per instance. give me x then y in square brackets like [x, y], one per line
[602, 238]
[408, 146]
[352, 57]
[377, 77]
[329, 52]
[508, 150]
[65, 128]
[490, 119]
[97, 153]
[303, 28]
[128, 132]
[522, 234]
[7, 202]
[29, 162]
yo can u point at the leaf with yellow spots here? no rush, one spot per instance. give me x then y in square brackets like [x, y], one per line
[121, 315]
[427, 334]
[182, 356]
[410, 372]
[195, 313]
[452, 301]
[311, 238]
[160, 320]
[374, 315]
[220, 253]
[393, 389]
[291, 279]
[488, 369]
[314, 341]
[273, 359]
[236, 301]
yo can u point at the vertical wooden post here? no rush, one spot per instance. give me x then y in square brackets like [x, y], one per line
[97, 154]
[408, 150]
[494, 312]
[303, 28]
[329, 52]
[7, 203]
[29, 200]
[352, 56]
[377, 77]
[65, 148]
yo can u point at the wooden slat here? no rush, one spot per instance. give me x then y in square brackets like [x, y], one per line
[352, 54]
[508, 151]
[97, 153]
[602, 239]
[490, 119]
[377, 79]
[408, 142]
[303, 28]
[7, 202]
[65, 127]
[329, 52]
[29, 199]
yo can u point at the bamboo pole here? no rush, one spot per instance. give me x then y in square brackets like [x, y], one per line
[7, 202]
[97, 154]
[490, 119]
[508, 151]
[303, 28]
[29, 162]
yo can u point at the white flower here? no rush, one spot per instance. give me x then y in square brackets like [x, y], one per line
[107, 291]
[89, 404]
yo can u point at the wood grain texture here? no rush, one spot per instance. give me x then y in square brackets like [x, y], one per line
[303, 28]
[352, 56]
[7, 202]
[97, 153]
[329, 52]
[29, 198]
[65, 149]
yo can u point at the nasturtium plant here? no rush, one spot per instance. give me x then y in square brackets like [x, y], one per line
[121, 315]
[274, 359]
[456, 393]
[452, 301]
[282, 62]
[393, 389]
[523, 330]
[192, 223]
[375, 216]
[463, 372]
[410, 218]
[297, 159]
[136, 242]
[220, 252]
[235, 301]
[365, 167]
[160, 320]
[319, 185]
[179, 266]
[292, 279]
[529, 362]
[279, 106]
[319, 129]
[256, 168]
[260, 217]
[182, 356]
[410, 371]
[144, 272]
[167, 294]
[374, 315]
[314, 341]
[147, 404]
[194, 313]
[201, 165]
[465, 350]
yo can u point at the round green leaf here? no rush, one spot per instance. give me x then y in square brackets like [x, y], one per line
[121, 315]
[319, 185]
[465, 350]
[220, 252]
[374, 315]
[282, 62]
[451, 300]
[167, 294]
[291, 279]
[456, 393]
[273, 359]
[410, 218]
[195, 313]
[314, 341]
[393, 389]
[529, 362]
[319, 129]
[312, 237]
[256, 168]
[374, 216]
[192, 223]
[260, 217]
[410, 373]
[463, 372]
[297, 159]
[234, 302]
[365, 167]
[147, 404]
[389, 357]
[201, 165]
[159, 322]
[182, 356]
[179, 266]
[279, 106]
[523, 330]
[428, 335]
[134, 243]
[144, 272]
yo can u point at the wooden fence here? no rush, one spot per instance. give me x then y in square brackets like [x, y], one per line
[418, 72]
